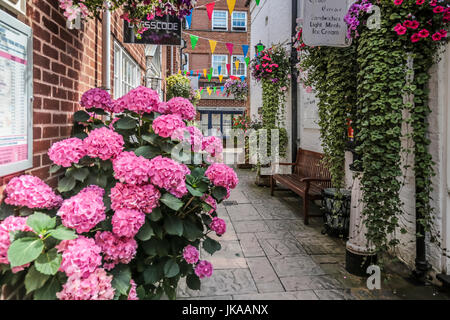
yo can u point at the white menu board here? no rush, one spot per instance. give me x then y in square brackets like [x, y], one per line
[16, 78]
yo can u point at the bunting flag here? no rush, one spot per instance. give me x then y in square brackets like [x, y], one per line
[231, 4]
[204, 73]
[220, 77]
[192, 73]
[201, 90]
[229, 68]
[179, 71]
[189, 19]
[242, 78]
[222, 88]
[257, 2]
[211, 71]
[212, 45]
[218, 93]
[236, 63]
[230, 48]
[209, 90]
[210, 9]
[215, 89]
[247, 61]
[194, 40]
[209, 77]
[219, 70]
[245, 49]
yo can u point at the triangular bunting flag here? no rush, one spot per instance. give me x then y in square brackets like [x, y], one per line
[222, 88]
[179, 71]
[194, 40]
[220, 77]
[198, 73]
[218, 93]
[257, 2]
[236, 63]
[211, 71]
[201, 90]
[210, 9]
[212, 45]
[242, 78]
[230, 48]
[219, 70]
[209, 90]
[231, 4]
[245, 49]
[229, 68]
[192, 72]
[247, 60]
[189, 20]
[204, 73]
[215, 89]
[209, 77]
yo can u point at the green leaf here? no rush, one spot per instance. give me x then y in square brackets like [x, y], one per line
[146, 232]
[81, 116]
[41, 222]
[126, 123]
[63, 233]
[194, 192]
[211, 245]
[153, 273]
[156, 214]
[151, 138]
[147, 152]
[80, 174]
[121, 278]
[66, 184]
[173, 226]
[171, 268]
[54, 169]
[34, 279]
[171, 201]
[219, 193]
[48, 262]
[48, 291]
[191, 231]
[149, 246]
[24, 250]
[193, 282]
[6, 210]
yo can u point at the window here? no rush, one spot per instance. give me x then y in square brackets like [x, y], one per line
[239, 21]
[186, 62]
[220, 20]
[242, 70]
[127, 73]
[219, 60]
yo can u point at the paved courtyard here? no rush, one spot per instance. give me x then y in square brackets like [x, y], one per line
[268, 254]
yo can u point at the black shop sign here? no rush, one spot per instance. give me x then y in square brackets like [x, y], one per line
[160, 30]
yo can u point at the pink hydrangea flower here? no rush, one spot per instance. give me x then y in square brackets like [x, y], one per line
[97, 286]
[191, 134]
[141, 100]
[126, 196]
[83, 211]
[182, 107]
[214, 146]
[103, 143]
[96, 98]
[126, 222]
[203, 269]
[169, 174]
[66, 152]
[119, 105]
[163, 107]
[212, 202]
[115, 249]
[218, 226]
[130, 168]
[191, 254]
[165, 125]
[11, 223]
[32, 192]
[80, 257]
[222, 175]
[132, 295]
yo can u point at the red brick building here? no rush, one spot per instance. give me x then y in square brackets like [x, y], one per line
[66, 63]
[216, 111]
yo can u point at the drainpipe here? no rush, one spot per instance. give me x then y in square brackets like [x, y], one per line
[106, 48]
[294, 84]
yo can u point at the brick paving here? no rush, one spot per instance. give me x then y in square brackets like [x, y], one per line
[269, 254]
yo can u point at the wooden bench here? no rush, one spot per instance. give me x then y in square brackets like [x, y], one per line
[309, 177]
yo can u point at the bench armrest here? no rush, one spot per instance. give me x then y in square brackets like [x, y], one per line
[314, 179]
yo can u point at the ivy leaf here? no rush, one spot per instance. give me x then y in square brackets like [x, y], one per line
[121, 278]
[41, 222]
[34, 279]
[48, 291]
[173, 225]
[24, 250]
[171, 201]
[48, 262]
[66, 184]
[63, 233]
[211, 246]
[171, 268]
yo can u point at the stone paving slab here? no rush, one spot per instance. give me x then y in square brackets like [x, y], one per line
[264, 276]
[250, 245]
[299, 295]
[335, 294]
[296, 283]
[229, 257]
[295, 265]
[278, 247]
[250, 226]
[275, 213]
[238, 196]
[230, 234]
[243, 212]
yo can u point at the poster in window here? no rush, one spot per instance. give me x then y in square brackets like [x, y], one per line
[15, 95]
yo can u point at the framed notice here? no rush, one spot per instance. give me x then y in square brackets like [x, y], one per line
[16, 86]
[164, 30]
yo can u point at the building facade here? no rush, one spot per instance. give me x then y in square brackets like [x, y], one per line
[216, 110]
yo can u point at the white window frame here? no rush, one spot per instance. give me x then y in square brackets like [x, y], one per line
[213, 21]
[232, 20]
[186, 66]
[241, 63]
[124, 80]
[224, 70]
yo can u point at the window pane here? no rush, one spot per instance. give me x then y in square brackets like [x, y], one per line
[242, 70]
[219, 60]
[220, 20]
[239, 21]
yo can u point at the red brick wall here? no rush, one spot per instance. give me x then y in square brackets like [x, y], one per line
[66, 63]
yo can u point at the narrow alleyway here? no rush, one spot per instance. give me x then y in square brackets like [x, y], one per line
[268, 254]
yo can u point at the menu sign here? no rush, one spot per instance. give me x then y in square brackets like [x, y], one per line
[15, 95]
[324, 23]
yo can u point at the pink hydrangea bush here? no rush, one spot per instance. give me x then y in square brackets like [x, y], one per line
[214, 147]
[119, 205]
